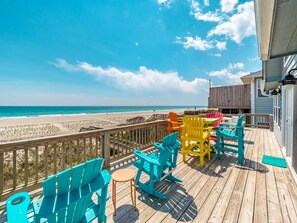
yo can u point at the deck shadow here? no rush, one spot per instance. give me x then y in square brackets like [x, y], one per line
[177, 203]
[252, 165]
[194, 164]
[123, 210]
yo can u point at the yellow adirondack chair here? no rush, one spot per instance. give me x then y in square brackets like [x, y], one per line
[195, 138]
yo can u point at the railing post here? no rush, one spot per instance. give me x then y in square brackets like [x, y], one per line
[106, 149]
[271, 123]
[1, 172]
[156, 133]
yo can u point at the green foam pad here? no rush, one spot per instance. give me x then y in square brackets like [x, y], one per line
[274, 161]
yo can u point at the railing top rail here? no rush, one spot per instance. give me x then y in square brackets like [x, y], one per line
[5, 146]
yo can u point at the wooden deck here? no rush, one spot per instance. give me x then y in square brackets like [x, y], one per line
[222, 191]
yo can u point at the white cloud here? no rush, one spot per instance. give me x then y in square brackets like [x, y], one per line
[144, 79]
[206, 17]
[236, 66]
[221, 45]
[165, 2]
[199, 44]
[254, 58]
[206, 2]
[216, 54]
[228, 5]
[238, 26]
[229, 77]
[162, 1]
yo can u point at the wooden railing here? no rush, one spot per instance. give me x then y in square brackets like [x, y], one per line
[254, 120]
[25, 164]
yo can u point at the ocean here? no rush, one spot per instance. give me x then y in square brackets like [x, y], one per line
[35, 111]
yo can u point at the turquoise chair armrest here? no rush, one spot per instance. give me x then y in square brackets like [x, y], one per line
[17, 207]
[141, 155]
[227, 125]
[157, 145]
[106, 176]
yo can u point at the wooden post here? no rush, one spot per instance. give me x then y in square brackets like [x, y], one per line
[1, 172]
[106, 149]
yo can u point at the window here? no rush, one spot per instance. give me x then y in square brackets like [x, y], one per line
[259, 93]
[277, 110]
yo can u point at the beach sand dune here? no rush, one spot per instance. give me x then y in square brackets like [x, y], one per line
[12, 129]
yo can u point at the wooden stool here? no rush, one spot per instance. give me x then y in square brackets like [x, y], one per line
[123, 175]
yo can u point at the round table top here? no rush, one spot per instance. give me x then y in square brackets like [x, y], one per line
[123, 175]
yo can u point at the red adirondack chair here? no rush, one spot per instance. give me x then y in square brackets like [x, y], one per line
[219, 116]
[173, 125]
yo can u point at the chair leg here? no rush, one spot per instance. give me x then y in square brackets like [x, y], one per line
[240, 151]
[183, 152]
[223, 145]
[151, 183]
[173, 178]
[202, 154]
[139, 172]
[208, 148]
[218, 146]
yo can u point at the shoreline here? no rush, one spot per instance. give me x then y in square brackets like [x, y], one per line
[53, 119]
[158, 109]
[94, 114]
[14, 129]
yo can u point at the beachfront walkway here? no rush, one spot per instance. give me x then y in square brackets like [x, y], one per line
[221, 191]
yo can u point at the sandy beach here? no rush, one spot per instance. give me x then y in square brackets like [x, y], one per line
[12, 129]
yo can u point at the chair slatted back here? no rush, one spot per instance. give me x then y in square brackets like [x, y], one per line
[167, 149]
[217, 115]
[193, 127]
[173, 118]
[74, 181]
[239, 124]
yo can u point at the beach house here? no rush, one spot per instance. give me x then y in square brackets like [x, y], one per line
[276, 27]
[245, 98]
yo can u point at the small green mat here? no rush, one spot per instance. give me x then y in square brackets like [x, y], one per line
[274, 161]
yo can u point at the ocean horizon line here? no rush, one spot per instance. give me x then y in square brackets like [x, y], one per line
[11, 112]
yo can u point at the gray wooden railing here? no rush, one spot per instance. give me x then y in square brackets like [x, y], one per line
[25, 164]
[254, 120]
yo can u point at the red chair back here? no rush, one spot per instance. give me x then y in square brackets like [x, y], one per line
[217, 115]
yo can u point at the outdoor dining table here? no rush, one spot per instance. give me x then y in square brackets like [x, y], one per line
[209, 121]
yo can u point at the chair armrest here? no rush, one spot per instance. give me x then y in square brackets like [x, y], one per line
[227, 125]
[17, 207]
[208, 128]
[106, 176]
[141, 155]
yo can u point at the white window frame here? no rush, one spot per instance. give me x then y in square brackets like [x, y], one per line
[277, 111]
[258, 88]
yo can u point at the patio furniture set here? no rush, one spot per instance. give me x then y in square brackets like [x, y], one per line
[67, 196]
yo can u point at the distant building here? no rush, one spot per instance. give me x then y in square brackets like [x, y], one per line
[260, 103]
[245, 98]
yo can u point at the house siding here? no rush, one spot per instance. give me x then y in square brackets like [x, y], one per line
[263, 105]
[288, 63]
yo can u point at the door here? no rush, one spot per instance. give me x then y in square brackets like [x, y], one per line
[289, 122]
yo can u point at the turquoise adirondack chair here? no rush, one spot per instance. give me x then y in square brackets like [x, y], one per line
[67, 197]
[158, 165]
[224, 131]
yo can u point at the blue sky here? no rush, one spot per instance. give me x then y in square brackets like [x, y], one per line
[119, 52]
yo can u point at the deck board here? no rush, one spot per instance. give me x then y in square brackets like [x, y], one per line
[222, 191]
